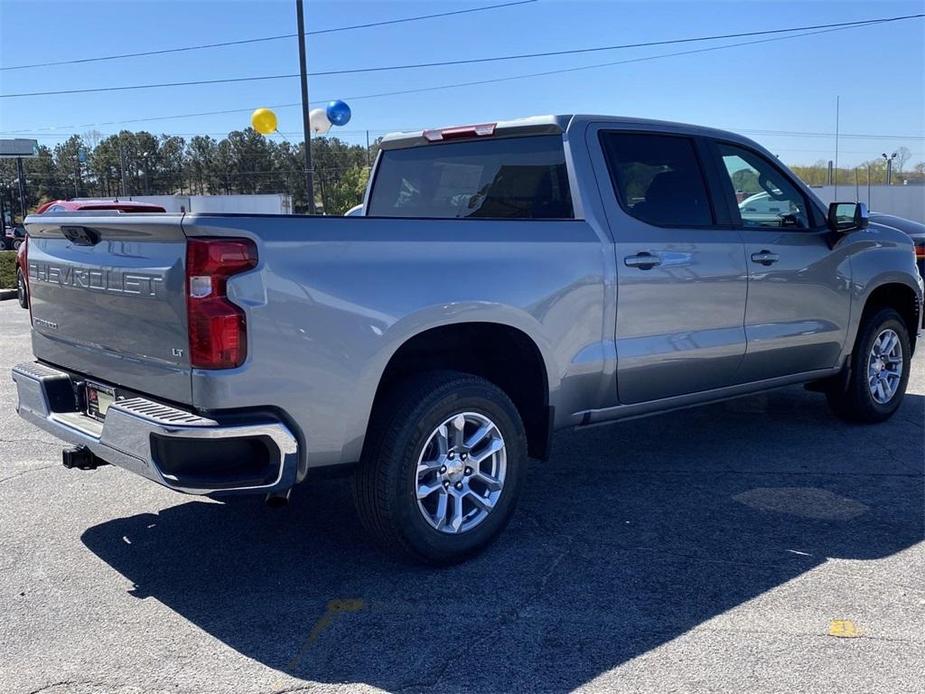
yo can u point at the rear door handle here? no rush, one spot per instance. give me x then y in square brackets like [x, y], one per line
[765, 258]
[644, 261]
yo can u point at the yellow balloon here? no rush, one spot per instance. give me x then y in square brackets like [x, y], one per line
[264, 121]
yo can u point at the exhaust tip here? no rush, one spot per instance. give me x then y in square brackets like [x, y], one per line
[278, 499]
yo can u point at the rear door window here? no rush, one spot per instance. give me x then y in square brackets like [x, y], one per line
[512, 178]
[658, 178]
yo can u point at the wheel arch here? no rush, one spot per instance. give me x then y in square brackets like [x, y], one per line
[503, 354]
[899, 296]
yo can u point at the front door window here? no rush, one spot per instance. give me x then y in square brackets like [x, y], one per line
[763, 195]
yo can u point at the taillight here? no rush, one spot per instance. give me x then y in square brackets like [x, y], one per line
[463, 131]
[217, 328]
[920, 250]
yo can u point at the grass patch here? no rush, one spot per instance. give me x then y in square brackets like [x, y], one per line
[7, 269]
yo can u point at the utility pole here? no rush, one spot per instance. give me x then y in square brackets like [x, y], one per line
[122, 166]
[144, 169]
[835, 192]
[306, 126]
[324, 197]
[22, 187]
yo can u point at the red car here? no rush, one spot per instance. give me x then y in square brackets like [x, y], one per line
[22, 273]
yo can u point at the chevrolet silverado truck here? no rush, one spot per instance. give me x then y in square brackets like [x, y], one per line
[502, 281]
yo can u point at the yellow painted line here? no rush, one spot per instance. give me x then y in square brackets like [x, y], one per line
[843, 629]
[333, 608]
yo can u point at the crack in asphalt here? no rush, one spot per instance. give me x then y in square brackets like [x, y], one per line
[798, 634]
[30, 440]
[703, 560]
[770, 564]
[894, 456]
[26, 472]
[773, 564]
[508, 616]
[430, 683]
[67, 683]
[756, 473]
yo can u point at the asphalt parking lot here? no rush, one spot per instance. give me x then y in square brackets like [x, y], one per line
[705, 550]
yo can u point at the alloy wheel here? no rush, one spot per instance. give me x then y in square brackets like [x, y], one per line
[461, 472]
[885, 366]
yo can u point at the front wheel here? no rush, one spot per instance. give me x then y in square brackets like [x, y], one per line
[880, 366]
[442, 467]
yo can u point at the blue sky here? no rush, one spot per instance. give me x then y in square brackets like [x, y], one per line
[791, 85]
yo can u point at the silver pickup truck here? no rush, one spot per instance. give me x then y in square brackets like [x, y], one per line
[504, 280]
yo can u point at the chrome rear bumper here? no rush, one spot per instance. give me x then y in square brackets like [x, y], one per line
[132, 428]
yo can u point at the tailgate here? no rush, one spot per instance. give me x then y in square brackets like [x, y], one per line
[108, 299]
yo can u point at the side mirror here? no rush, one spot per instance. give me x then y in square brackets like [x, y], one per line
[848, 216]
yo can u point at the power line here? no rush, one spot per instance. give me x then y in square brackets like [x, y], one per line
[869, 153]
[231, 80]
[496, 80]
[263, 39]
[216, 133]
[283, 172]
[414, 19]
[522, 76]
[94, 90]
[862, 136]
[598, 49]
[157, 118]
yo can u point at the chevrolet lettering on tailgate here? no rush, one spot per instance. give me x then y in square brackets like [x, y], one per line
[96, 279]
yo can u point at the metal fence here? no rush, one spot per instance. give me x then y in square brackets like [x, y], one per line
[903, 201]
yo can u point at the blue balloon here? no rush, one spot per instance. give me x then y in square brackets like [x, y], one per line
[338, 112]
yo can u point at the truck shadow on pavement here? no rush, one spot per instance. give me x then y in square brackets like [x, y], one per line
[631, 536]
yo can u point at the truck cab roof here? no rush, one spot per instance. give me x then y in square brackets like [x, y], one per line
[544, 125]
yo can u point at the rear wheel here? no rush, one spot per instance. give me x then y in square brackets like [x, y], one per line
[22, 289]
[880, 366]
[16, 244]
[441, 468]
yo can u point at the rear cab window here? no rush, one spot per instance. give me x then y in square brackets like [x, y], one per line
[503, 178]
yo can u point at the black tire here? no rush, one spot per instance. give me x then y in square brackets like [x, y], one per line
[16, 244]
[386, 479]
[855, 403]
[22, 289]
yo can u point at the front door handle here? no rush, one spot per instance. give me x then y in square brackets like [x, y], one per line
[765, 258]
[644, 261]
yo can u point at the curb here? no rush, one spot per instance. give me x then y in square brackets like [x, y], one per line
[7, 294]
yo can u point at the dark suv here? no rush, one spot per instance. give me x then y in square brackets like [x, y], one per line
[914, 230]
